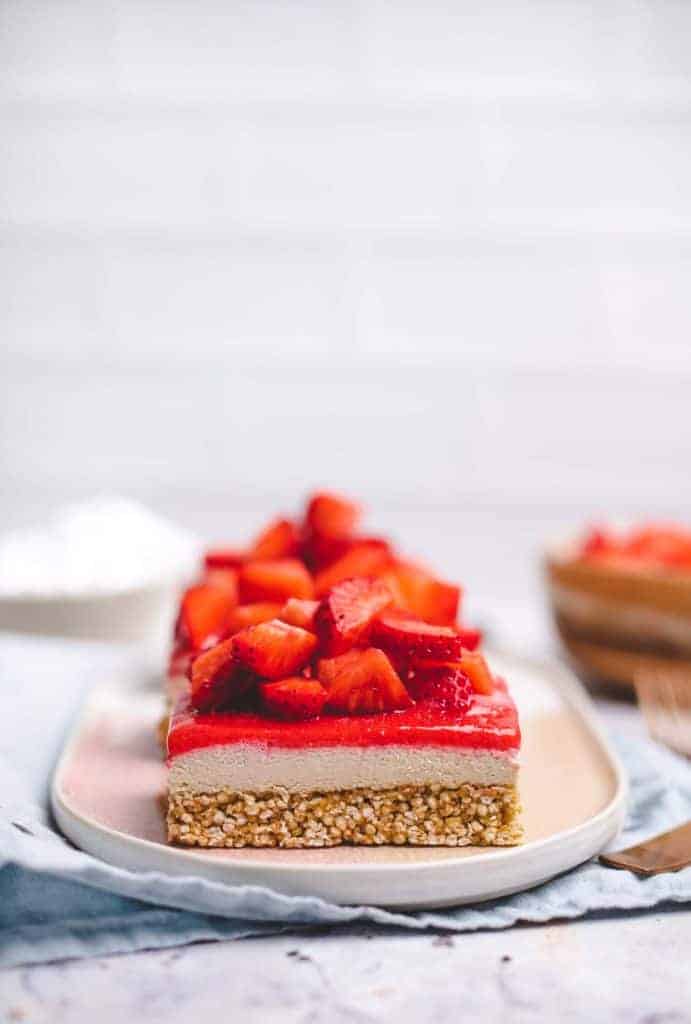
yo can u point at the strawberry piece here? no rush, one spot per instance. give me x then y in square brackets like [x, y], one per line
[441, 602]
[659, 545]
[223, 558]
[275, 580]
[477, 670]
[293, 698]
[329, 515]
[280, 539]
[423, 595]
[329, 668]
[441, 683]
[297, 612]
[405, 637]
[597, 542]
[320, 552]
[274, 649]
[470, 638]
[204, 612]
[369, 558]
[216, 678]
[251, 615]
[364, 683]
[346, 614]
[223, 579]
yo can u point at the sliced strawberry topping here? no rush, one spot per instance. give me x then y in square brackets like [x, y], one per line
[204, 612]
[280, 539]
[216, 678]
[423, 595]
[223, 558]
[224, 579]
[251, 615]
[405, 637]
[274, 649]
[368, 558]
[470, 638]
[320, 552]
[252, 633]
[346, 614]
[656, 545]
[329, 668]
[442, 683]
[297, 612]
[363, 683]
[295, 697]
[477, 670]
[597, 542]
[275, 580]
[330, 515]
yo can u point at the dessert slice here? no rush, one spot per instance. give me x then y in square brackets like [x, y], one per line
[622, 600]
[356, 718]
[293, 772]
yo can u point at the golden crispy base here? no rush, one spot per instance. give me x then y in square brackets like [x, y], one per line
[409, 815]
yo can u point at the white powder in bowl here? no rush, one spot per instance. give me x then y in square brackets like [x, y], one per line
[105, 545]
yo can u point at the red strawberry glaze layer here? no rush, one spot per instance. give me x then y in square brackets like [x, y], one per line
[491, 723]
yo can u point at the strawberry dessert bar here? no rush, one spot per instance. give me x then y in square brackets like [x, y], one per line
[330, 696]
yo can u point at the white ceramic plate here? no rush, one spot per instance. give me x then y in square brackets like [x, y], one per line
[108, 789]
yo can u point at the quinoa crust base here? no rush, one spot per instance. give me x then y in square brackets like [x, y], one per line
[427, 815]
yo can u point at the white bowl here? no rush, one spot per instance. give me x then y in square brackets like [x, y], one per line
[140, 615]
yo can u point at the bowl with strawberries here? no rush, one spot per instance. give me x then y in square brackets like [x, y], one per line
[621, 600]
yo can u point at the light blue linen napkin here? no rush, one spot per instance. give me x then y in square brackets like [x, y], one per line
[57, 902]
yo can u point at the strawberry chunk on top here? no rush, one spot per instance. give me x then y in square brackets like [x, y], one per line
[441, 683]
[329, 668]
[216, 678]
[251, 615]
[363, 683]
[204, 611]
[275, 580]
[299, 613]
[320, 552]
[368, 558]
[423, 595]
[345, 616]
[470, 638]
[471, 664]
[274, 649]
[280, 539]
[477, 670]
[331, 515]
[404, 637]
[293, 698]
[223, 579]
[223, 558]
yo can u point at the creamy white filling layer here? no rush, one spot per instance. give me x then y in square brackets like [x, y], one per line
[249, 767]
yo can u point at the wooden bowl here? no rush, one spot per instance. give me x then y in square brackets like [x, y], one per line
[614, 620]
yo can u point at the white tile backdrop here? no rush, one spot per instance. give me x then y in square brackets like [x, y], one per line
[436, 253]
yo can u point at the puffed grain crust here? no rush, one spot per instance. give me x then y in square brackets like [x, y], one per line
[427, 815]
